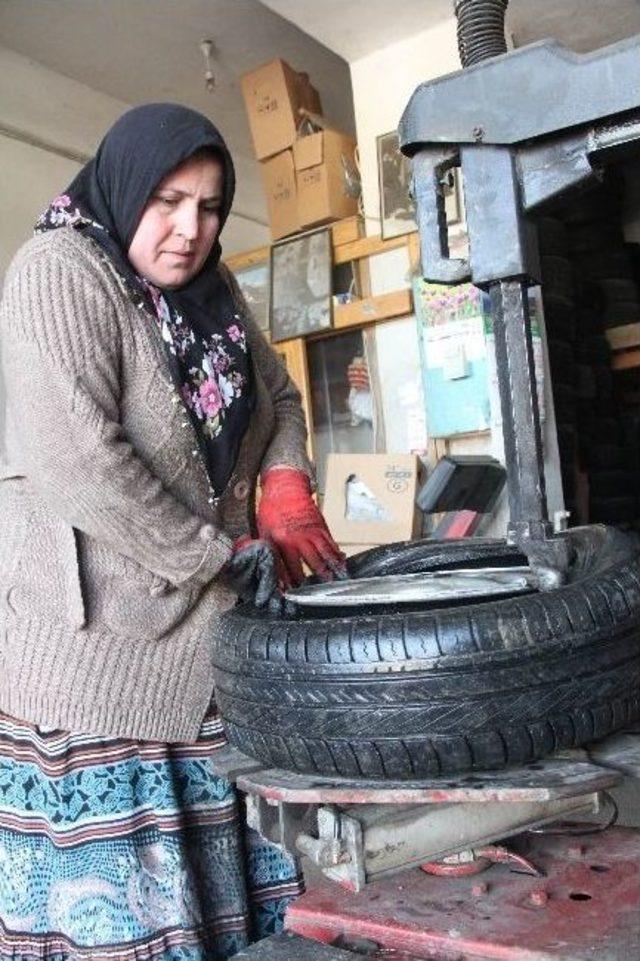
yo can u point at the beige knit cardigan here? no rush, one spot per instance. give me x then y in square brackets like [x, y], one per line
[110, 541]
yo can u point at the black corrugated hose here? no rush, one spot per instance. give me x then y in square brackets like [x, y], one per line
[480, 29]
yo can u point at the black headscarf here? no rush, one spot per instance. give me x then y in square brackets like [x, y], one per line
[106, 201]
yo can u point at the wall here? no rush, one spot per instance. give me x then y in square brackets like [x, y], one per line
[49, 126]
[382, 85]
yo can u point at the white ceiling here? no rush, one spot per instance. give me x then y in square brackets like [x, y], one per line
[141, 50]
[355, 28]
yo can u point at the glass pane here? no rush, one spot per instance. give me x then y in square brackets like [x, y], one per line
[341, 398]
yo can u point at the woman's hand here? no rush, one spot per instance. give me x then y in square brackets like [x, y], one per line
[289, 518]
[253, 571]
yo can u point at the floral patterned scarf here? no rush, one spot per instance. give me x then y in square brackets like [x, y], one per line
[202, 332]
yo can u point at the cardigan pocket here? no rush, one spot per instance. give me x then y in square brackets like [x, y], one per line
[126, 598]
[68, 551]
[15, 518]
[45, 575]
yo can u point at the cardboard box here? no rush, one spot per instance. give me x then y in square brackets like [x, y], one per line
[325, 176]
[370, 498]
[279, 178]
[273, 94]
[309, 96]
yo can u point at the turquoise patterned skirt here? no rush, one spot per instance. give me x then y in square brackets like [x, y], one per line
[115, 849]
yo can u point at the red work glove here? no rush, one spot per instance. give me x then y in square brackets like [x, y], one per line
[289, 518]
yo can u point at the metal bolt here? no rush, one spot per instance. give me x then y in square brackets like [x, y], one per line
[539, 897]
[322, 851]
[478, 132]
[480, 888]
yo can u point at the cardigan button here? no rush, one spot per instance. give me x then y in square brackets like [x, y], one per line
[241, 490]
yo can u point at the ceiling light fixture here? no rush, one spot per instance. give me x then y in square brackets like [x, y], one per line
[206, 46]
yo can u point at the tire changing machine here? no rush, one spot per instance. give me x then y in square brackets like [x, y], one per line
[526, 128]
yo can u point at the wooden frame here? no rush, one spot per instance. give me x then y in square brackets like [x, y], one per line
[294, 356]
[301, 300]
[254, 281]
[372, 309]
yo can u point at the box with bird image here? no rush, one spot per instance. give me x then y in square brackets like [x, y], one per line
[371, 498]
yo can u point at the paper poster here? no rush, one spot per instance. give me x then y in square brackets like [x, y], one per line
[458, 358]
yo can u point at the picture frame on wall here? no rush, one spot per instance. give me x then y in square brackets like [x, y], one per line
[397, 209]
[301, 285]
[254, 282]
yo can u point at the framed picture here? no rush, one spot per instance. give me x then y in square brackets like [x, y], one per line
[253, 281]
[301, 285]
[397, 210]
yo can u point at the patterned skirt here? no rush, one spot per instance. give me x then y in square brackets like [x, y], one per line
[116, 849]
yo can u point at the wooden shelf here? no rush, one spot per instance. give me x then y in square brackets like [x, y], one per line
[371, 310]
[344, 233]
[294, 355]
[348, 245]
[369, 247]
[247, 259]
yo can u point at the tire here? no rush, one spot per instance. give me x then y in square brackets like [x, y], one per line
[617, 289]
[562, 362]
[612, 483]
[565, 402]
[613, 510]
[586, 389]
[605, 456]
[552, 237]
[606, 264]
[557, 275]
[621, 313]
[594, 237]
[419, 692]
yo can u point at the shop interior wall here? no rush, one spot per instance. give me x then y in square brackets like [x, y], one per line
[393, 73]
[50, 124]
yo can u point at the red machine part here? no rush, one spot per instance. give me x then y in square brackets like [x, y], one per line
[586, 906]
[480, 860]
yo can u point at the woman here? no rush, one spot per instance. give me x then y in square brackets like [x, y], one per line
[142, 404]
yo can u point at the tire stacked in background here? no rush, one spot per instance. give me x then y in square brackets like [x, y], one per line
[590, 284]
[608, 297]
[560, 317]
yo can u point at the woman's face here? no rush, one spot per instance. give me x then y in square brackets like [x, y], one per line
[180, 223]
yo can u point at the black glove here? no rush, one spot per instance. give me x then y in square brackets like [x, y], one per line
[252, 571]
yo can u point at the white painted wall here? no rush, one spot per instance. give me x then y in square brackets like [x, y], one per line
[31, 177]
[382, 85]
[45, 121]
[49, 125]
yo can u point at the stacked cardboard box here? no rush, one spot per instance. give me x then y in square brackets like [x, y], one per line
[308, 180]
